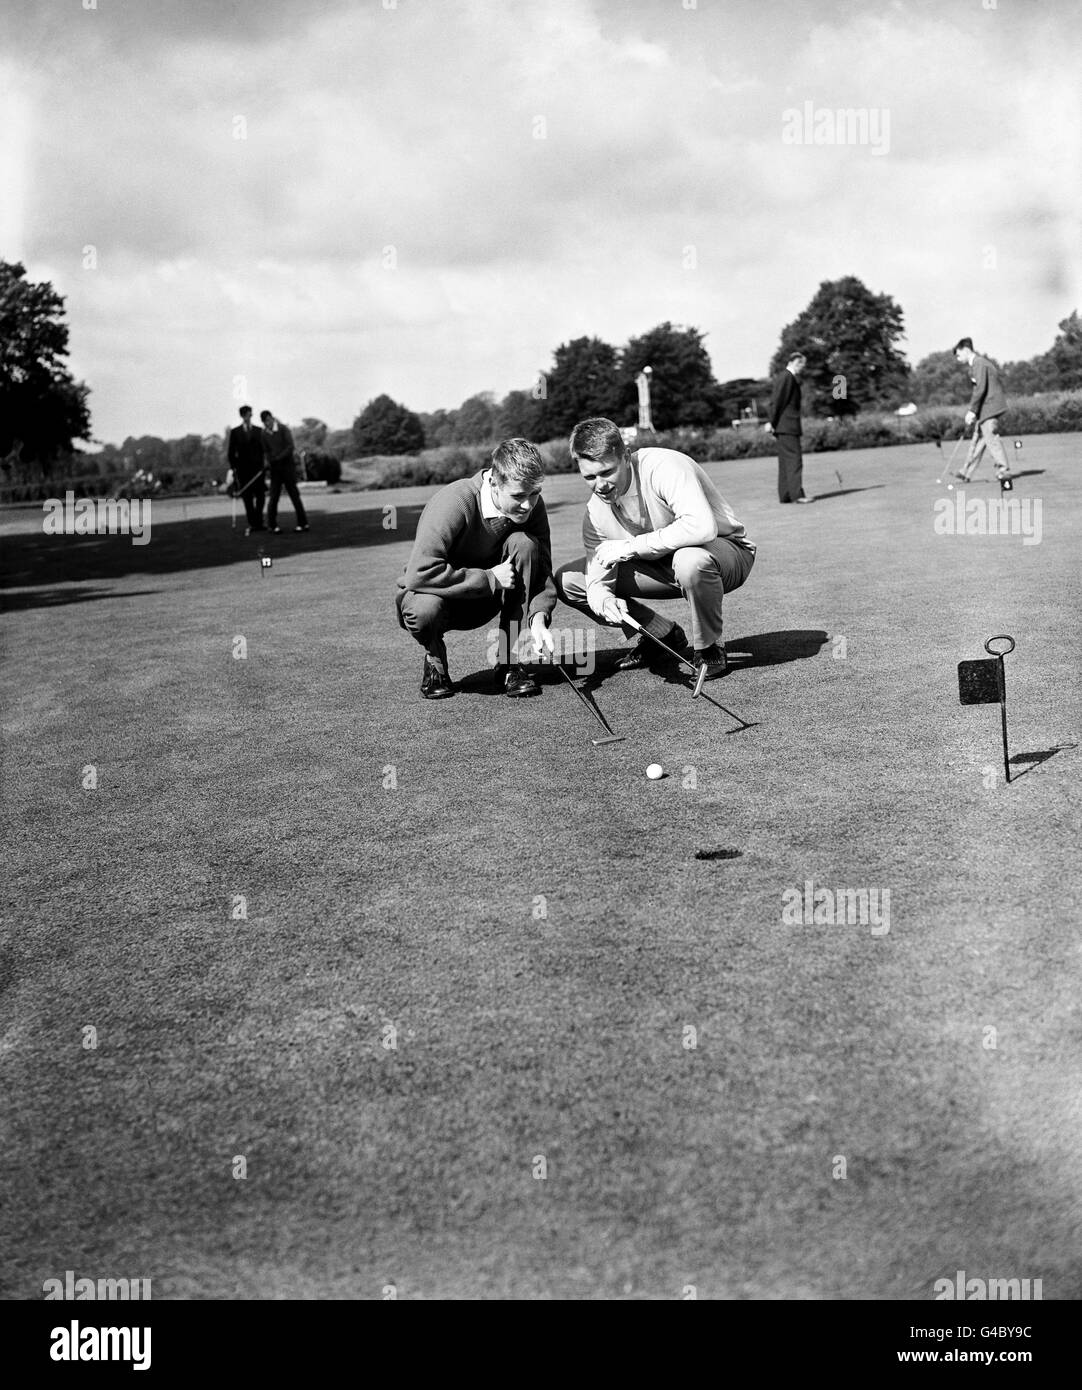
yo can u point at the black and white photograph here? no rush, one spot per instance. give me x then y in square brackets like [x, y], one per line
[540, 670]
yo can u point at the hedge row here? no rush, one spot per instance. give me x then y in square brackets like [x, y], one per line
[447, 463]
[1049, 414]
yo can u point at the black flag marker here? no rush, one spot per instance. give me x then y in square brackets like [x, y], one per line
[985, 683]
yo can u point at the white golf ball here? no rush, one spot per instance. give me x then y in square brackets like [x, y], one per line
[654, 771]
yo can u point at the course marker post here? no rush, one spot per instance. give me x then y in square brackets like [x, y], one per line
[984, 682]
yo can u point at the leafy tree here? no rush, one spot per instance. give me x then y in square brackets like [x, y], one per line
[341, 442]
[584, 381]
[1026, 378]
[439, 427]
[310, 433]
[521, 415]
[148, 453]
[742, 393]
[848, 335]
[682, 386]
[475, 420]
[1063, 360]
[42, 408]
[939, 379]
[385, 427]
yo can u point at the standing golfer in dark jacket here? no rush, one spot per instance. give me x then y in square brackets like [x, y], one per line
[246, 461]
[986, 405]
[278, 447]
[785, 425]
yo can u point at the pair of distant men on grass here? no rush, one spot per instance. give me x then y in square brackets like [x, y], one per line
[986, 405]
[655, 527]
[252, 453]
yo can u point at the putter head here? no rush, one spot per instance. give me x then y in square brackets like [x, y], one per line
[700, 680]
[613, 738]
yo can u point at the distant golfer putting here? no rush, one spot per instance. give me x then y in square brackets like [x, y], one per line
[482, 549]
[986, 405]
[655, 527]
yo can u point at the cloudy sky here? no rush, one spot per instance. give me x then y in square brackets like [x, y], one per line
[424, 197]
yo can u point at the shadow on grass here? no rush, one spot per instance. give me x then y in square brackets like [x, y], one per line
[775, 648]
[33, 559]
[764, 649]
[844, 492]
[1036, 759]
[20, 599]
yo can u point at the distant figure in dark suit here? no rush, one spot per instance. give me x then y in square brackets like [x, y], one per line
[246, 461]
[278, 447]
[785, 426]
[986, 406]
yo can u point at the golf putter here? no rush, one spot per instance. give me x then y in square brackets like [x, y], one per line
[699, 673]
[974, 454]
[610, 736]
[949, 470]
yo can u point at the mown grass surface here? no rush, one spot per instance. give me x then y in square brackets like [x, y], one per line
[520, 1035]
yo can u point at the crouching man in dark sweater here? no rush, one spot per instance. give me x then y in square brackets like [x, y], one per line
[482, 548]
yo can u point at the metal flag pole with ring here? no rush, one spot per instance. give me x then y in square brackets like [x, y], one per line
[984, 682]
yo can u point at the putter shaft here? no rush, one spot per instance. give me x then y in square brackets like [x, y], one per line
[676, 655]
[611, 737]
[698, 671]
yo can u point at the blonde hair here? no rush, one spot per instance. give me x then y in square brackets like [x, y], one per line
[518, 461]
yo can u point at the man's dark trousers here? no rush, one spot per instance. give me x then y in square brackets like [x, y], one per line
[429, 616]
[253, 492]
[284, 475]
[790, 468]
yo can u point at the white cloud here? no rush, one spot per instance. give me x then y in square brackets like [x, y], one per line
[415, 129]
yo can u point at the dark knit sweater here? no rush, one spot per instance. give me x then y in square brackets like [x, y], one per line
[456, 547]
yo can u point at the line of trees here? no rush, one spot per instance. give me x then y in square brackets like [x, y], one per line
[934, 379]
[850, 335]
[587, 377]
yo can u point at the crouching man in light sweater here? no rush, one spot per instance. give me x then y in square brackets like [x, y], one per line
[655, 527]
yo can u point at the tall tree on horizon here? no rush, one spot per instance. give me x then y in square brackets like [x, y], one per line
[386, 427]
[849, 336]
[43, 409]
[682, 386]
[583, 382]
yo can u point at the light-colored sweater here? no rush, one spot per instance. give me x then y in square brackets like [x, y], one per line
[670, 504]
